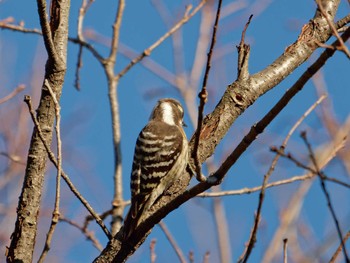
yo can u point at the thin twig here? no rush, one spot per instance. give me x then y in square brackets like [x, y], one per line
[78, 68]
[298, 163]
[341, 23]
[20, 28]
[116, 31]
[152, 248]
[47, 34]
[203, 97]
[28, 101]
[117, 213]
[88, 46]
[203, 42]
[206, 257]
[191, 256]
[187, 16]
[340, 247]
[17, 90]
[285, 243]
[89, 218]
[222, 229]
[80, 36]
[103, 216]
[13, 158]
[172, 241]
[251, 190]
[243, 54]
[56, 211]
[88, 234]
[342, 45]
[326, 193]
[252, 239]
[326, 153]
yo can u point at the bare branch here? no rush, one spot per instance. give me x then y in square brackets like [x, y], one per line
[243, 55]
[252, 238]
[55, 37]
[63, 174]
[326, 193]
[152, 248]
[340, 247]
[326, 153]
[203, 97]
[172, 241]
[342, 45]
[56, 212]
[17, 90]
[117, 212]
[47, 34]
[285, 244]
[148, 51]
[88, 234]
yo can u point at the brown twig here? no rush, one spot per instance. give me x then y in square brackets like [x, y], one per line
[13, 158]
[110, 61]
[187, 16]
[17, 90]
[88, 234]
[78, 68]
[325, 191]
[285, 244]
[339, 249]
[206, 257]
[222, 228]
[292, 209]
[191, 257]
[172, 241]
[152, 248]
[252, 238]
[251, 190]
[341, 23]
[243, 54]
[19, 28]
[298, 163]
[28, 101]
[203, 97]
[202, 47]
[47, 34]
[82, 12]
[56, 211]
[342, 45]
[103, 216]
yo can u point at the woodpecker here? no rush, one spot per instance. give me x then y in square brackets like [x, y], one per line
[161, 155]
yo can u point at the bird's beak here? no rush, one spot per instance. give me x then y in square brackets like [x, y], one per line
[184, 124]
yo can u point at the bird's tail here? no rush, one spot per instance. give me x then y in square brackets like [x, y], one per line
[132, 220]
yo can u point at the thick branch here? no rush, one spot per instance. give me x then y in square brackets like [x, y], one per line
[55, 37]
[238, 97]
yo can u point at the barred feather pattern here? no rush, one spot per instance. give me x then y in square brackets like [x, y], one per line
[160, 157]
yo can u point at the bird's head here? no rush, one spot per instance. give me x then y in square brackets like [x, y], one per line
[169, 111]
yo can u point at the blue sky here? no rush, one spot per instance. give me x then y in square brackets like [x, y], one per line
[86, 126]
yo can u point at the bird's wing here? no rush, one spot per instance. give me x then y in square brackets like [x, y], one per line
[157, 149]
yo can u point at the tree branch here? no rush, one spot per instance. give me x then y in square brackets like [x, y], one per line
[238, 96]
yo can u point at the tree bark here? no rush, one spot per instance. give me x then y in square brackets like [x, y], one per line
[55, 36]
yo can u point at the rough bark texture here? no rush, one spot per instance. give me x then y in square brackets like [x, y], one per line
[236, 99]
[23, 238]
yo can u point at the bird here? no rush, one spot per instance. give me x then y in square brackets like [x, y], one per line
[160, 157]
